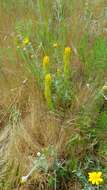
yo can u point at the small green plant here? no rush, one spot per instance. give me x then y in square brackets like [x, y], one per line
[40, 163]
[58, 90]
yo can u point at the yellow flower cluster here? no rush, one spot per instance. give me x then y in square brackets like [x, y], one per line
[55, 45]
[67, 53]
[48, 77]
[47, 91]
[26, 41]
[95, 178]
[46, 64]
[46, 60]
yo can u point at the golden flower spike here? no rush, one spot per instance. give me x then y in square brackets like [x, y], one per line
[66, 57]
[46, 64]
[47, 90]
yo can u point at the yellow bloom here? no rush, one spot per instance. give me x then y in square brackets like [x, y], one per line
[47, 90]
[67, 51]
[46, 60]
[24, 179]
[66, 58]
[26, 41]
[55, 45]
[46, 64]
[48, 79]
[95, 178]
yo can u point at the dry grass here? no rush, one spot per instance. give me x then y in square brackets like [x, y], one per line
[29, 128]
[26, 124]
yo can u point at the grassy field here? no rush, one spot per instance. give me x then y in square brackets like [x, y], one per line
[53, 95]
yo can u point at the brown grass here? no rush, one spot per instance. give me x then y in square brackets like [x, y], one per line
[26, 124]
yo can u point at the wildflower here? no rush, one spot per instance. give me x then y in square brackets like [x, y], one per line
[24, 179]
[48, 79]
[67, 53]
[26, 41]
[95, 178]
[55, 45]
[46, 60]
[46, 64]
[38, 154]
[47, 90]
[88, 85]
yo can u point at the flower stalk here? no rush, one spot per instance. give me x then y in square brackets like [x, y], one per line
[46, 64]
[47, 90]
[66, 60]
